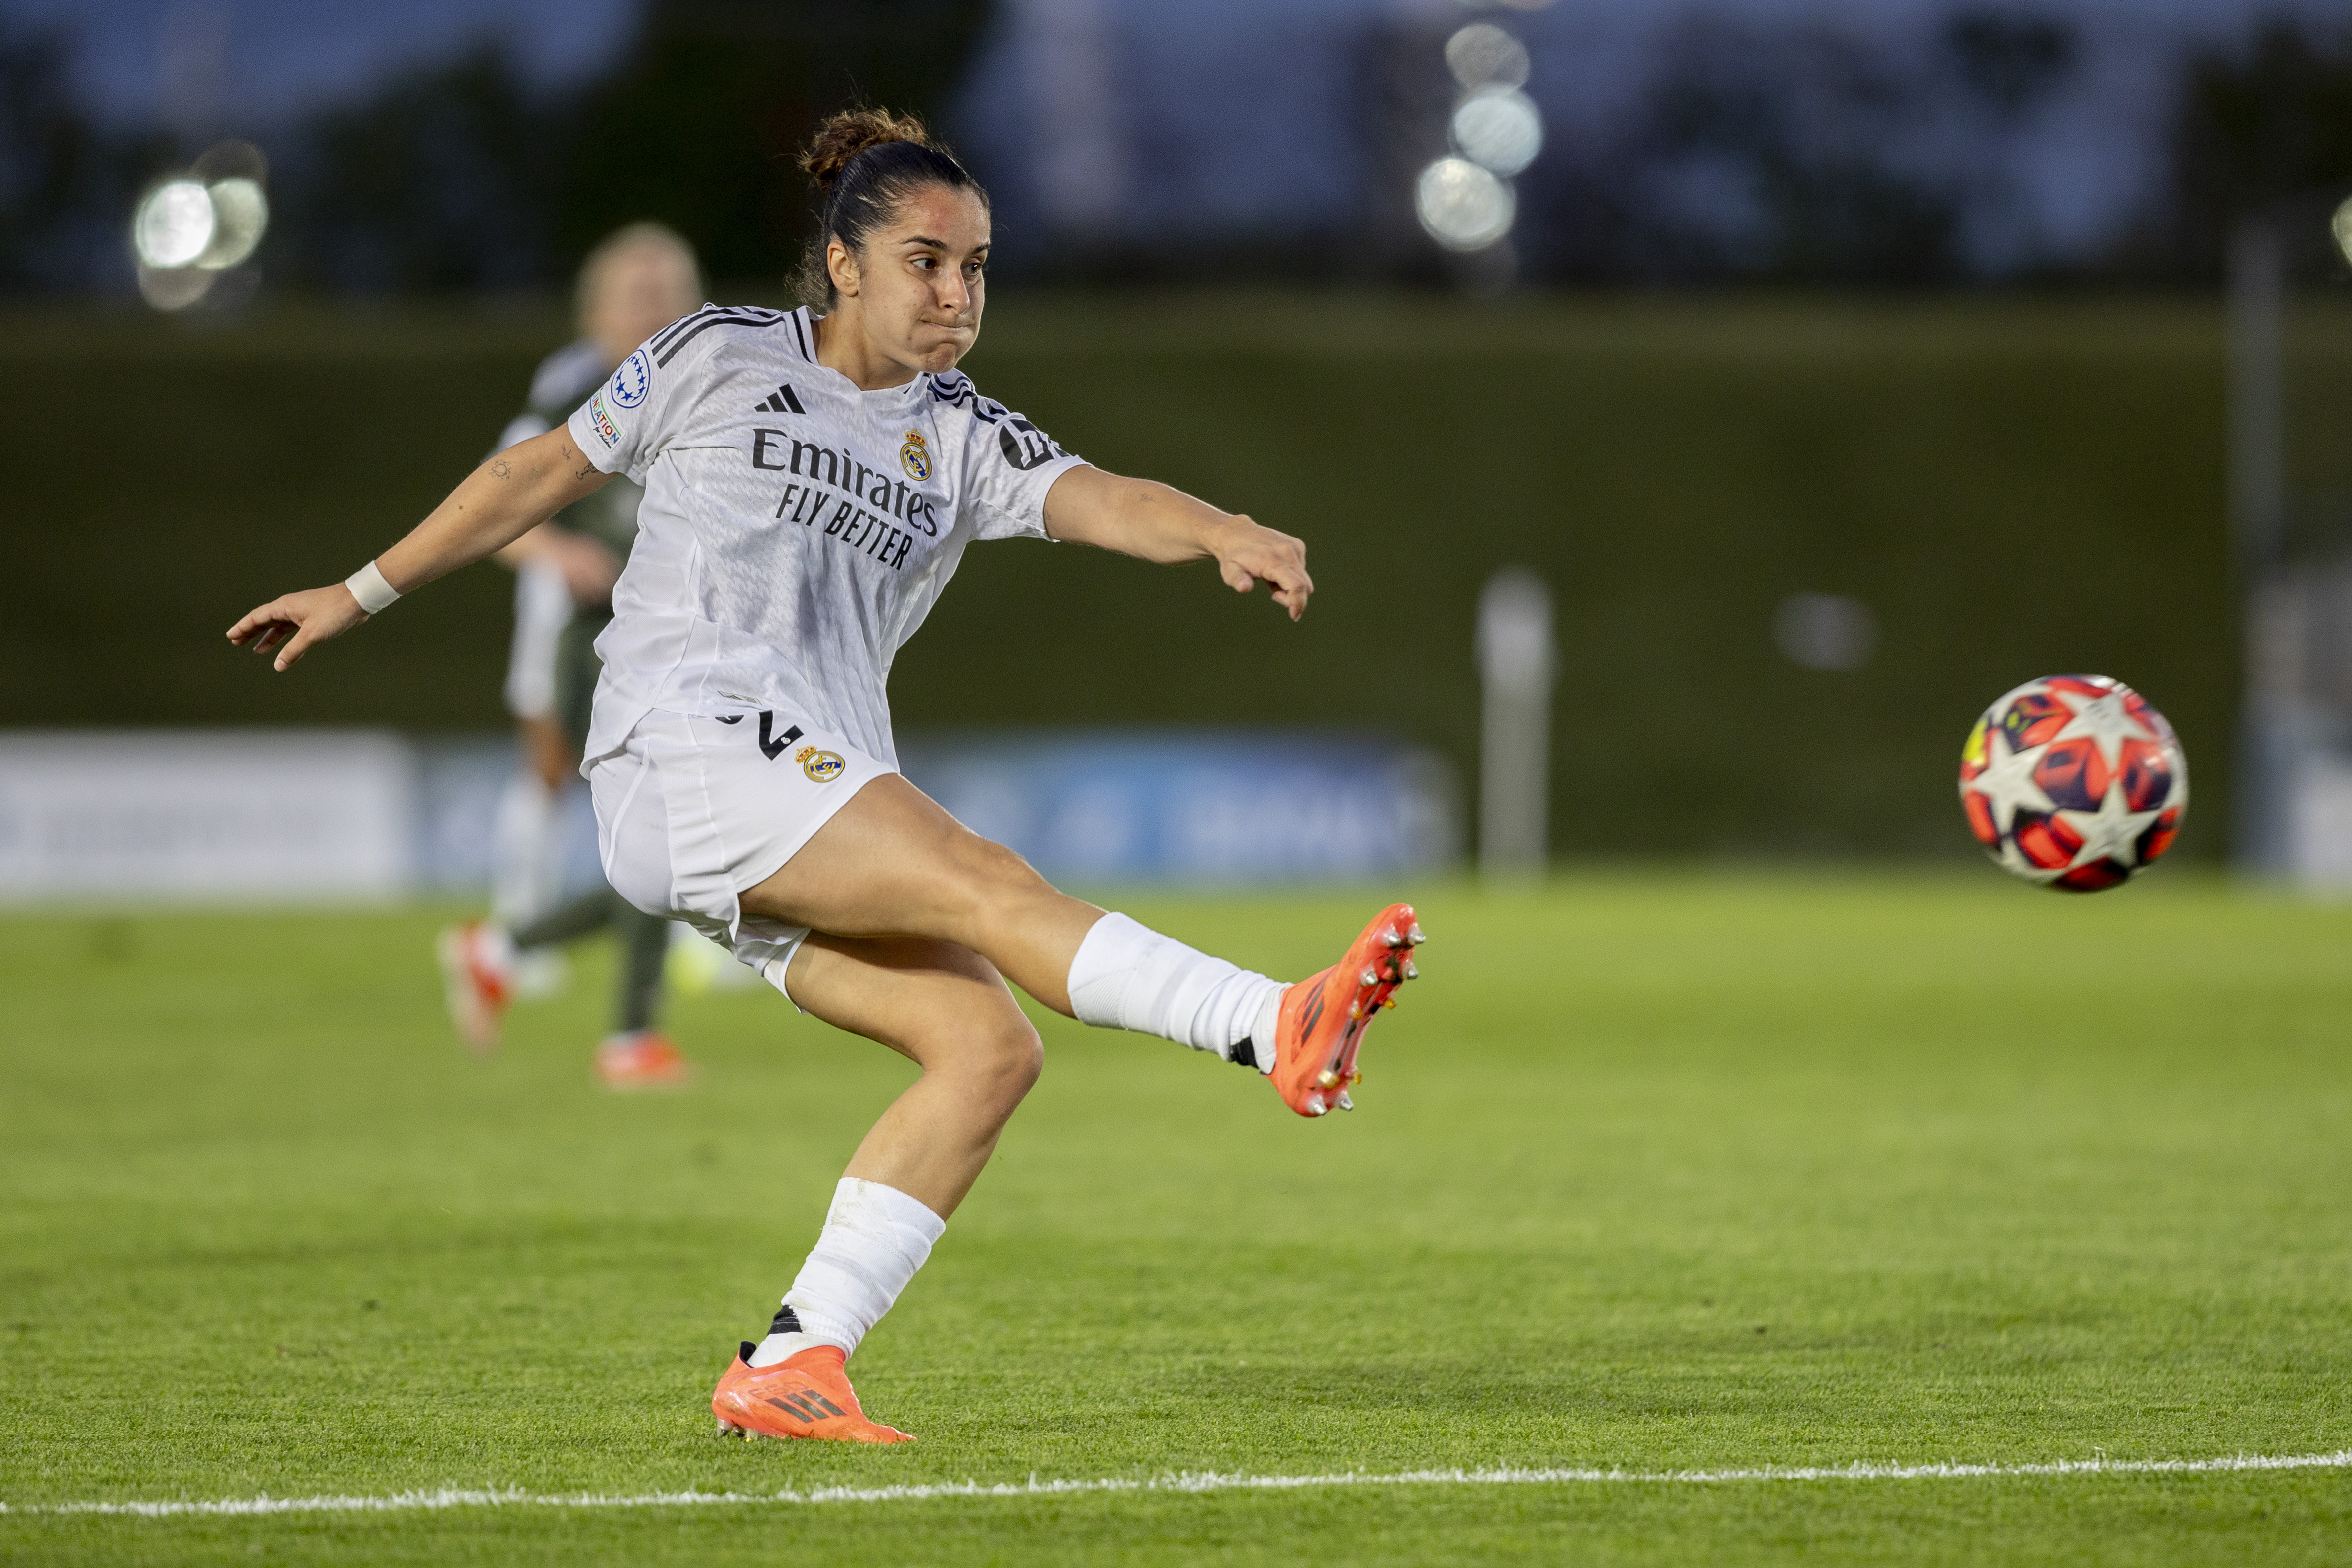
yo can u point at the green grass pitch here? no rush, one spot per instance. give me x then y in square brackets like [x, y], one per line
[1669, 1172]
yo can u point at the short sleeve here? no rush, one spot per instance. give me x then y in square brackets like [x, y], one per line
[1009, 464]
[624, 426]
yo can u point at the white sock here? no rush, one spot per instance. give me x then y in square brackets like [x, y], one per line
[874, 1238]
[1128, 976]
[525, 867]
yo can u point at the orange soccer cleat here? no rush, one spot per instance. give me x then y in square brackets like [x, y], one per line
[477, 980]
[807, 1396]
[1323, 1019]
[641, 1059]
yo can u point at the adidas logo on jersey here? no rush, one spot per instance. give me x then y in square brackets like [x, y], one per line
[781, 400]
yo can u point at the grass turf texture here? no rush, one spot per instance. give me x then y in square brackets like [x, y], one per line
[1662, 1172]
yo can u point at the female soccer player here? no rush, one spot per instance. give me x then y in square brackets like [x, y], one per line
[811, 481]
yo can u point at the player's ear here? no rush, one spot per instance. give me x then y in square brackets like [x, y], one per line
[840, 264]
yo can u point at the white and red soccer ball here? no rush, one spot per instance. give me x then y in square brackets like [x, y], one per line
[2074, 782]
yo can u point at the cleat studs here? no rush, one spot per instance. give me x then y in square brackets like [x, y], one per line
[1416, 935]
[1355, 1010]
[1346, 1104]
[1412, 970]
[1369, 976]
[1326, 1079]
[1388, 1001]
[1391, 939]
[1315, 1104]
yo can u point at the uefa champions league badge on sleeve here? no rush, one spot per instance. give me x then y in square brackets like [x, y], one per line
[822, 766]
[632, 380]
[2074, 782]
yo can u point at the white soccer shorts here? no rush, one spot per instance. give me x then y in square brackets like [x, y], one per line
[692, 811]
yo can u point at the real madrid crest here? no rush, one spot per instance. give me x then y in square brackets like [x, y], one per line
[822, 766]
[915, 458]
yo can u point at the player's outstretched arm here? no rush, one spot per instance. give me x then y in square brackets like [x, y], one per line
[1156, 522]
[513, 492]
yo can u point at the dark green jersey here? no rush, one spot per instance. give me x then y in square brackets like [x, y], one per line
[561, 383]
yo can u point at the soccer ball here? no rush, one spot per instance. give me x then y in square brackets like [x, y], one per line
[2074, 782]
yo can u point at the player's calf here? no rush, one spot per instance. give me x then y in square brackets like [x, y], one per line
[1305, 1037]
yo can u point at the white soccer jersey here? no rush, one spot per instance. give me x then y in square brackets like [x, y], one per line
[795, 529]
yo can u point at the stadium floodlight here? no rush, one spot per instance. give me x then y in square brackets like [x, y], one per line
[1498, 129]
[2340, 225]
[1483, 55]
[1464, 207]
[173, 288]
[240, 214]
[174, 225]
[192, 227]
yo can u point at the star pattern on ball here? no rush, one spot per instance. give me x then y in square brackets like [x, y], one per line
[2007, 782]
[2104, 720]
[2111, 832]
[2011, 859]
[2093, 841]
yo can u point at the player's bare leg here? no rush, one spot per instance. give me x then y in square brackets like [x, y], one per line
[891, 860]
[893, 863]
[944, 1007]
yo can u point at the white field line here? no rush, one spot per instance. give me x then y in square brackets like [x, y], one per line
[1189, 1481]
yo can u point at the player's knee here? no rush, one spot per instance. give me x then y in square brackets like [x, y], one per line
[1004, 1055]
[990, 877]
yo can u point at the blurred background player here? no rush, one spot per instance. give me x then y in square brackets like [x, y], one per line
[638, 280]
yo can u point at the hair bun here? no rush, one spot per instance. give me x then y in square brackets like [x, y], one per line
[844, 135]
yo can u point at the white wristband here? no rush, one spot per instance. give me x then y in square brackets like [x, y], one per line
[368, 586]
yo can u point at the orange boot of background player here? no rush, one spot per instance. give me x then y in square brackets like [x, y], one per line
[477, 980]
[1323, 1019]
[642, 1059]
[807, 1396]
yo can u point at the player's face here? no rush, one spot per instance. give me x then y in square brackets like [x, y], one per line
[642, 290]
[921, 279]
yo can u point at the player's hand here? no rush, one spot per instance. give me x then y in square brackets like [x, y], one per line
[1248, 553]
[290, 624]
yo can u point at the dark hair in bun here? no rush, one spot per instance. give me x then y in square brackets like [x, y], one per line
[864, 163]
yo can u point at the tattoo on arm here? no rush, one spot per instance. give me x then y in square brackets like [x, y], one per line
[500, 468]
[572, 453]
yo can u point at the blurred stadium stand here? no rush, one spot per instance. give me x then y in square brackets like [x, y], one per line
[296, 816]
[2009, 487]
[1797, 537]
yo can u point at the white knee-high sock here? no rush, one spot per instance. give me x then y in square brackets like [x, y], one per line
[874, 1238]
[524, 863]
[1128, 976]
